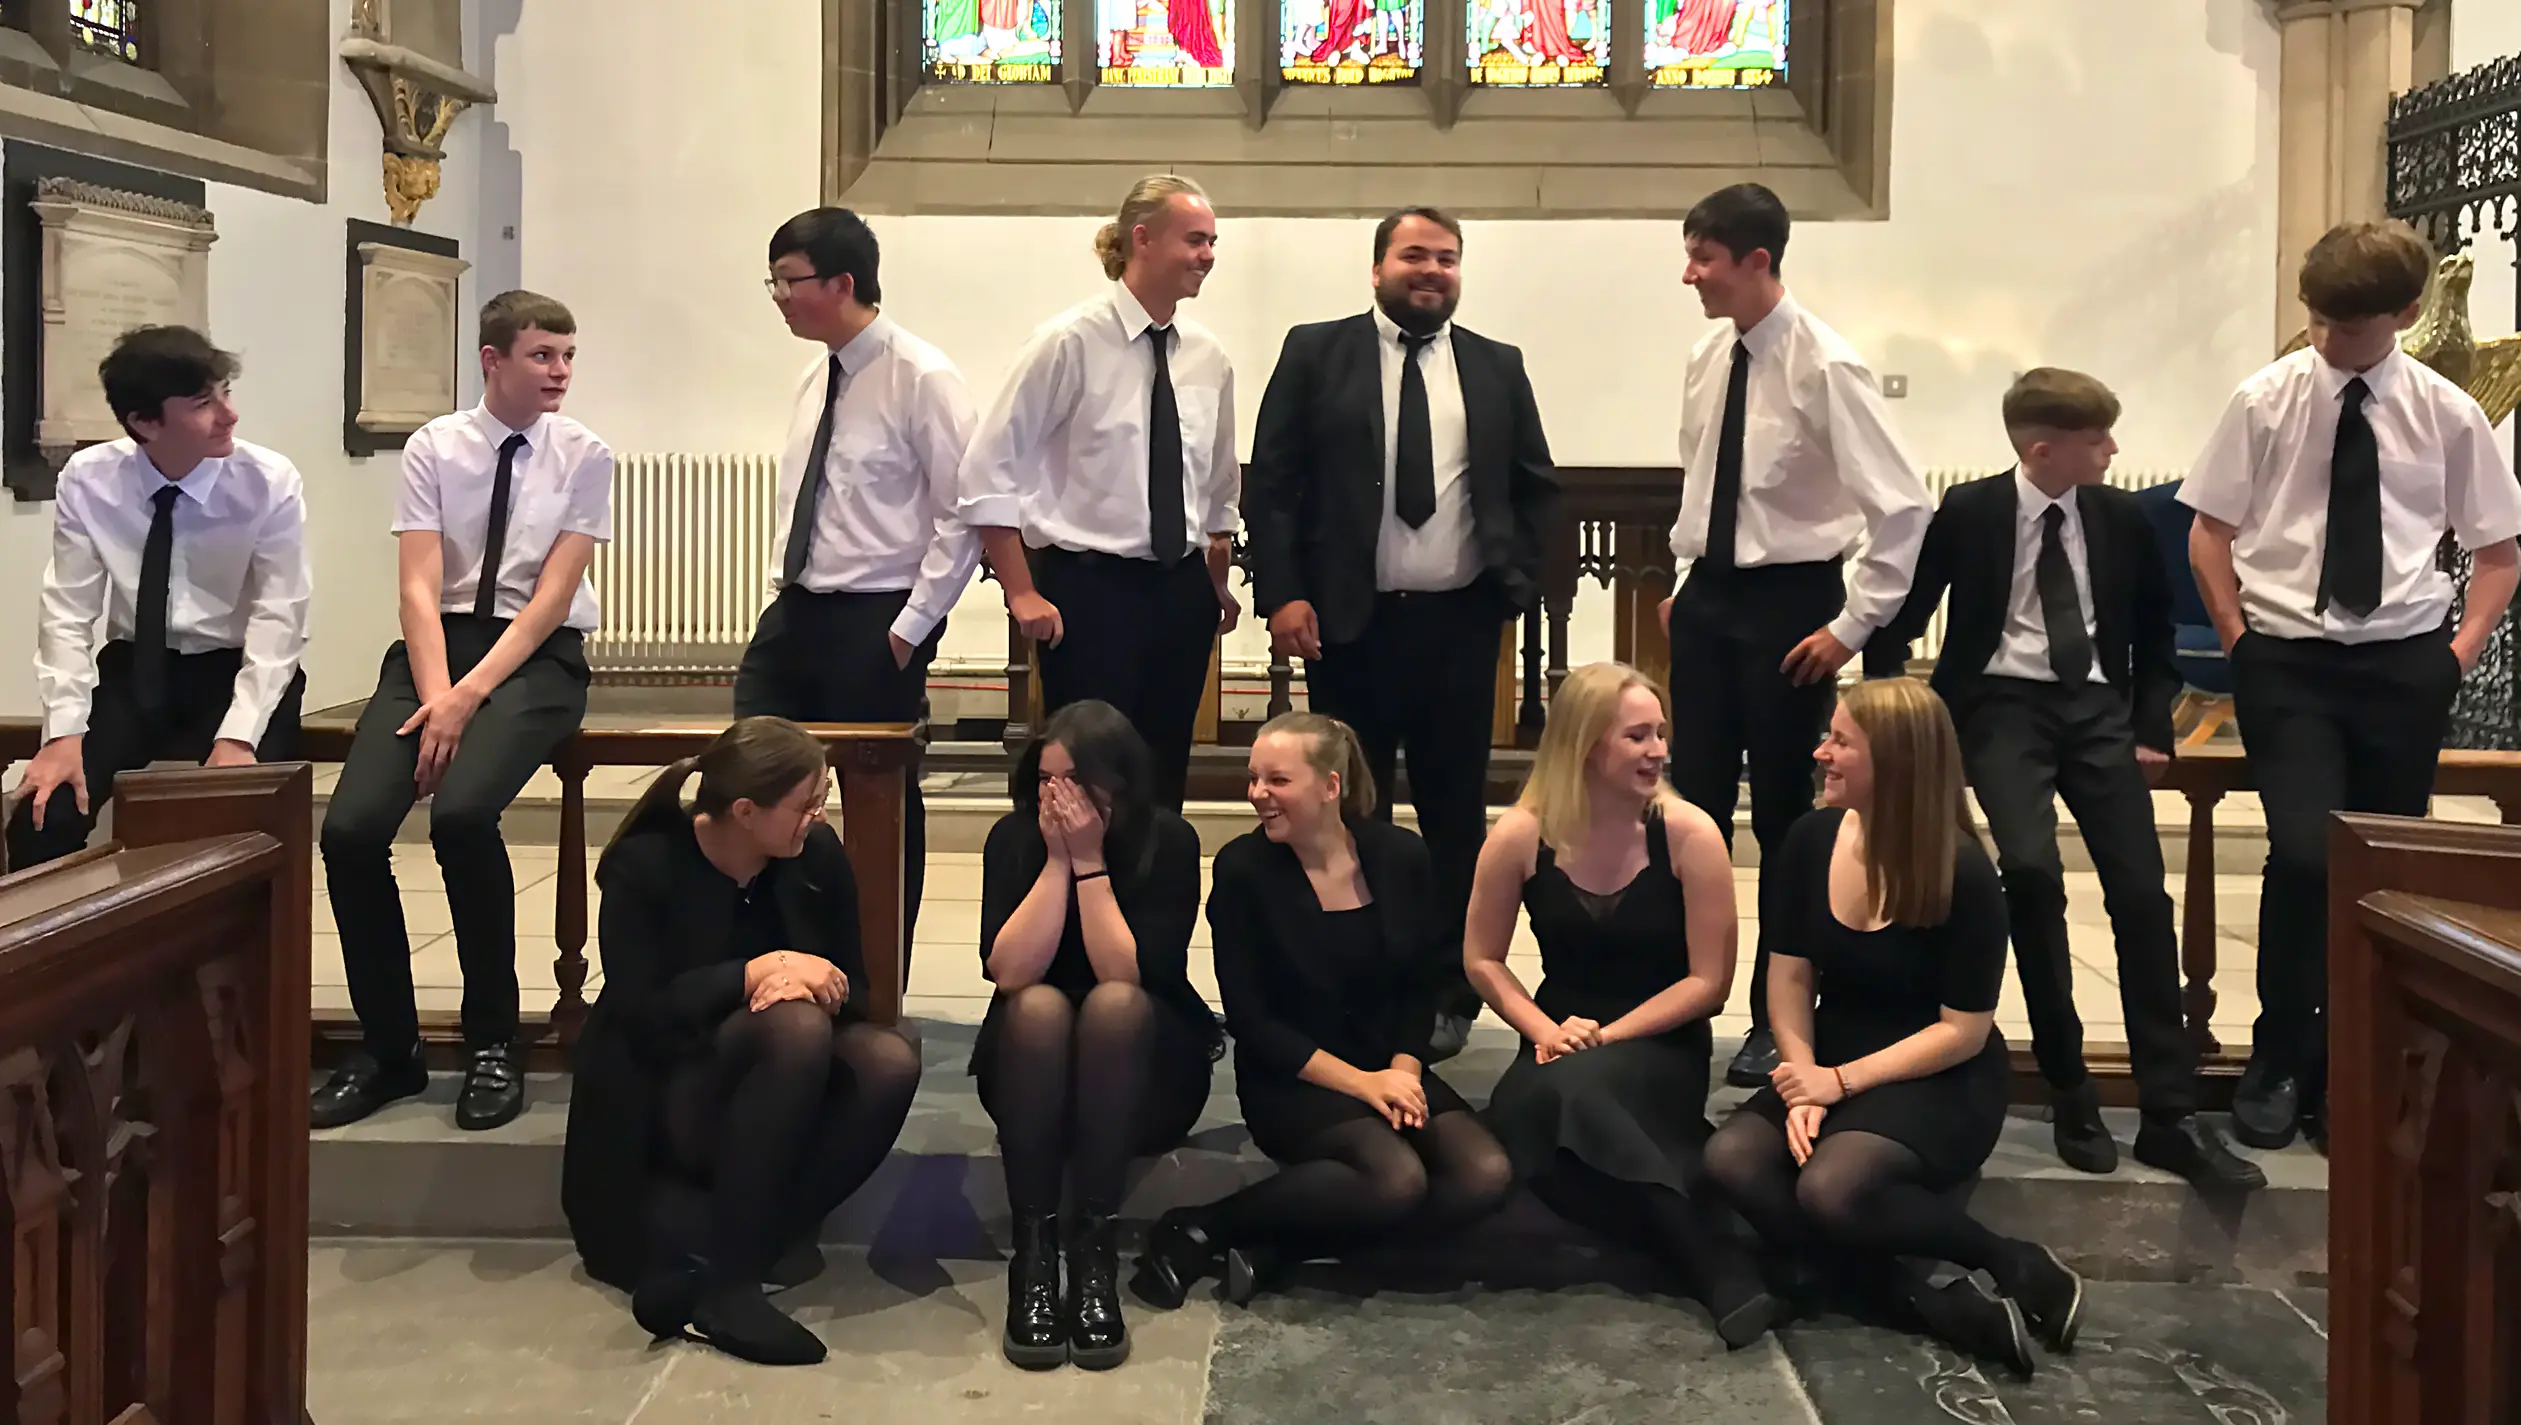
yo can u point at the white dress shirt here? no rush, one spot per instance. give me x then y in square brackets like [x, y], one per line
[561, 483]
[885, 521]
[238, 577]
[2266, 472]
[1062, 454]
[2022, 652]
[1822, 475]
[1442, 553]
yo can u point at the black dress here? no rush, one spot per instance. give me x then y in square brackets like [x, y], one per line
[1159, 897]
[1635, 1110]
[1876, 987]
[1357, 984]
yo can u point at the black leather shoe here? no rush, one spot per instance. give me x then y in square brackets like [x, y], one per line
[2194, 1149]
[2048, 1291]
[360, 1086]
[801, 1263]
[1098, 1339]
[1178, 1254]
[494, 1091]
[1451, 1033]
[736, 1318]
[1966, 1316]
[1247, 1270]
[1751, 1067]
[2266, 1106]
[662, 1304]
[1037, 1325]
[2083, 1140]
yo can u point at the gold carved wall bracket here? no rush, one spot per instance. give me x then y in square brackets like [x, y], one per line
[408, 56]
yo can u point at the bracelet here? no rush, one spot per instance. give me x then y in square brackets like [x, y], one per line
[1082, 877]
[1844, 1092]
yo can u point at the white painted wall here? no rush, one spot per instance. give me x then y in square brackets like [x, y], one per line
[276, 299]
[2052, 204]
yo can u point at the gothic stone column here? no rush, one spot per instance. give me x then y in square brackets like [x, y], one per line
[2343, 61]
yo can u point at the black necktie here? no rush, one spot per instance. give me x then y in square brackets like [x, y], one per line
[2350, 567]
[148, 615]
[1724, 501]
[1414, 454]
[810, 484]
[1164, 458]
[2061, 610]
[494, 547]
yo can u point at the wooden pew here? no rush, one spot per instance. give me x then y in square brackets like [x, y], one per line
[153, 1100]
[2425, 1122]
[870, 759]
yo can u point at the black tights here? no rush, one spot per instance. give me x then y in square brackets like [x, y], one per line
[1070, 1093]
[1860, 1193]
[1686, 1232]
[788, 1115]
[1361, 1181]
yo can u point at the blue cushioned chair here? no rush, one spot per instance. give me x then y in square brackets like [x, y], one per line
[2205, 704]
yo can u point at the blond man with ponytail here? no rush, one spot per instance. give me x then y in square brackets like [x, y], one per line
[729, 1094]
[1329, 939]
[1104, 483]
[1631, 898]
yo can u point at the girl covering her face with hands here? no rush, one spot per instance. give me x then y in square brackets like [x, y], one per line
[1886, 937]
[1328, 950]
[728, 1094]
[1096, 1049]
[1630, 893]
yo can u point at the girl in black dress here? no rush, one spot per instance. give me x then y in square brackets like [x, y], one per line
[1631, 897]
[1886, 944]
[728, 1094]
[1096, 1049]
[1327, 950]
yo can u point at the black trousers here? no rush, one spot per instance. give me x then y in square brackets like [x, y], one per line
[1422, 679]
[825, 658]
[515, 732]
[123, 737]
[1137, 635]
[2329, 727]
[1731, 628]
[2026, 744]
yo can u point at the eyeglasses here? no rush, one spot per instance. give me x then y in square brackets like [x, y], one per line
[778, 286]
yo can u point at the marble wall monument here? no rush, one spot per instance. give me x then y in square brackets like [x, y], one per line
[112, 260]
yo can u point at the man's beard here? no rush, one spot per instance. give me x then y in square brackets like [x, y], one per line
[1410, 317]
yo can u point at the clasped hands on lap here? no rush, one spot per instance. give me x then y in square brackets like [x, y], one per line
[793, 974]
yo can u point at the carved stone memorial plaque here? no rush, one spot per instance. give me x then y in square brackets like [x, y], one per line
[407, 337]
[112, 261]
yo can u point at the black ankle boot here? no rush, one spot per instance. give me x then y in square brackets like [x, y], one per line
[1097, 1337]
[1037, 1329]
[1178, 1254]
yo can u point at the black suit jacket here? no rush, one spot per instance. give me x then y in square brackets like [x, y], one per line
[671, 976]
[1284, 996]
[1969, 548]
[1313, 493]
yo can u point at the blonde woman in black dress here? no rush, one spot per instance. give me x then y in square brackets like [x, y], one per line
[1886, 937]
[1630, 892]
[1329, 951]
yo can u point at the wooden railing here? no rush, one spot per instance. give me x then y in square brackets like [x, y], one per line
[2425, 1122]
[869, 757]
[153, 1077]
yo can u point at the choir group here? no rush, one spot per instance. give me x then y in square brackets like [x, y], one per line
[729, 1092]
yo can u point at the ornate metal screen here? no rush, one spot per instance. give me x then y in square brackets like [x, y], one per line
[2455, 172]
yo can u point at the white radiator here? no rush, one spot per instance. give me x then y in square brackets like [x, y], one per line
[688, 569]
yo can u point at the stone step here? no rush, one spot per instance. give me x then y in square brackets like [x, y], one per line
[409, 1173]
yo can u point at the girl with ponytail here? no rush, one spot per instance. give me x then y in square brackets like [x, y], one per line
[1328, 950]
[729, 1094]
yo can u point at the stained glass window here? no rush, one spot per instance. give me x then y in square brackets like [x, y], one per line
[1539, 43]
[1351, 41]
[1165, 44]
[991, 41]
[1715, 44]
[107, 26]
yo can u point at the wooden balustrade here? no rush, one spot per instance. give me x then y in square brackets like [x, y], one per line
[2425, 1122]
[870, 759]
[153, 1135]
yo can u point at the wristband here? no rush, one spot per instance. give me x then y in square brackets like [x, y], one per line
[1082, 877]
[1844, 1092]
